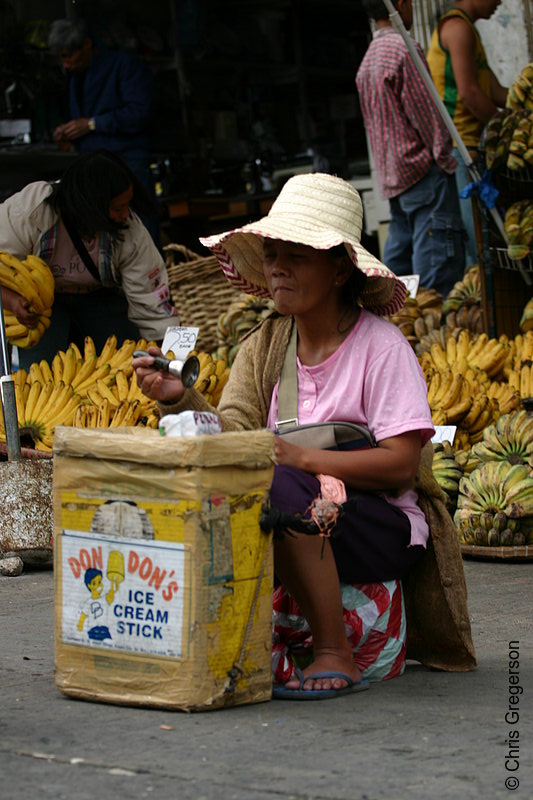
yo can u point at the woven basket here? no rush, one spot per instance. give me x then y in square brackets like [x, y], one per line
[200, 292]
[522, 553]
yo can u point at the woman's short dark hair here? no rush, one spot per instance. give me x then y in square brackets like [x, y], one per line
[351, 290]
[88, 186]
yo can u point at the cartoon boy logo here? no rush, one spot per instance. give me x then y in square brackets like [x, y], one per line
[95, 608]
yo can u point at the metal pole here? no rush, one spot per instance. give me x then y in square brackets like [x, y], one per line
[397, 23]
[7, 391]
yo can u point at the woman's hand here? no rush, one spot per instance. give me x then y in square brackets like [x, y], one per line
[286, 453]
[155, 384]
[20, 307]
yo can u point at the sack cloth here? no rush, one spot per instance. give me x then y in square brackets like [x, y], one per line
[375, 624]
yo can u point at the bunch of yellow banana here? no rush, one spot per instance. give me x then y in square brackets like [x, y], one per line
[449, 397]
[459, 390]
[466, 292]
[507, 141]
[434, 336]
[482, 412]
[405, 319]
[447, 471]
[41, 405]
[423, 325]
[463, 305]
[521, 147]
[428, 298]
[33, 279]
[467, 351]
[462, 446]
[415, 321]
[470, 317]
[242, 315]
[518, 226]
[490, 529]
[213, 376]
[419, 315]
[495, 487]
[487, 354]
[510, 439]
[526, 382]
[83, 370]
[89, 390]
[505, 396]
[526, 321]
[520, 373]
[497, 137]
[107, 384]
[107, 414]
[520, 94]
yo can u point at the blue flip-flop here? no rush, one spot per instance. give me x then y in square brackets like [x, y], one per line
[280, 692]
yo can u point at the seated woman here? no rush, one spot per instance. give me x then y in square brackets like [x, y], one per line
[351, 366]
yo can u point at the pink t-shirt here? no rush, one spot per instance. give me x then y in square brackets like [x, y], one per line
[70, 273]
[372, 379]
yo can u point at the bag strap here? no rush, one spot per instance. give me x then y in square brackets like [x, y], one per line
[288, 385]
[80, 247]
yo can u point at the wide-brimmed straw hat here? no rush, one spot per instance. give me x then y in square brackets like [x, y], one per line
[318, 210]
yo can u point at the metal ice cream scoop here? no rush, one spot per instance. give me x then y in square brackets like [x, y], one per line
[187, 370]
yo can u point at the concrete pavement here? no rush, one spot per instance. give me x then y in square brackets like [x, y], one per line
[424, 735]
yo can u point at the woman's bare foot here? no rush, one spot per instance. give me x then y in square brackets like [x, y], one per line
[327, 663]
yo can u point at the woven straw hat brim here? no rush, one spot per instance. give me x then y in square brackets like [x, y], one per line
[317, 210]
[240, 255]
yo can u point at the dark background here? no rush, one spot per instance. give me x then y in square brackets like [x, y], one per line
[246, 92]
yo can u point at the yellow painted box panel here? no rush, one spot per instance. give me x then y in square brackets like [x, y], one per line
[162, 578]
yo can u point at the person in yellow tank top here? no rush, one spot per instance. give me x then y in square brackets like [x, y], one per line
[468, 87]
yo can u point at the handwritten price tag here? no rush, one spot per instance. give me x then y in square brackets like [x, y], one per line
[411, 282]
[181, 341]
[444, 433]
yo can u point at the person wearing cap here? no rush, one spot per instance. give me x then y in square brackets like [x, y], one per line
[352, 365]
[412, 152]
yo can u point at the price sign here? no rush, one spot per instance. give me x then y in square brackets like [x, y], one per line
[444, 433]
[411, 282]
[181, 341]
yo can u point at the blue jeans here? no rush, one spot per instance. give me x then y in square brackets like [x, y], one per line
[426, 235]
[462, 179]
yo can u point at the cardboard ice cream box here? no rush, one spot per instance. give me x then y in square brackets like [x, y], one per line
[162, 576]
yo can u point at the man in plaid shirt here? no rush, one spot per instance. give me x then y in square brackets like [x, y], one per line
[412, 152]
